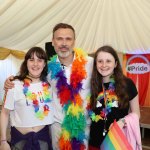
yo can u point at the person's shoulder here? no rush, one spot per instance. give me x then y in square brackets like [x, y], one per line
[131, 88]
[129, 82]
[18, 82]
[89, 63]
[18, 85]
[90, 59]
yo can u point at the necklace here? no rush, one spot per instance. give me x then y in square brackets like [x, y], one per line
[43, 95]
[108, 97]
[74, 122]
[34, 77]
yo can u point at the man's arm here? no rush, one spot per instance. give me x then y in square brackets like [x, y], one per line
[8, 83]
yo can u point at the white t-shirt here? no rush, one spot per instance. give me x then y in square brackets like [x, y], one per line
[58, 109]
[22, 112]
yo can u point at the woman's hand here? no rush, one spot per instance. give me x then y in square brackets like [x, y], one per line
[121, 123]
[4, 146]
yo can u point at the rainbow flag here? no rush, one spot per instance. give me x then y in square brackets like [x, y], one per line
[115, 139]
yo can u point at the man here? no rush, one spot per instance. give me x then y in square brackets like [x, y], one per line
[69, 76]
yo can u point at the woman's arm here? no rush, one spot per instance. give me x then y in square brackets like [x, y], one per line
[134, 106]
[4, 124]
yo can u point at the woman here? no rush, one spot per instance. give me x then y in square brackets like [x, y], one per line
[29, 106]
[112, 95]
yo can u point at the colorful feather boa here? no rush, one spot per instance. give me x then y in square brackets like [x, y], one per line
[111, 97]
[74, 123]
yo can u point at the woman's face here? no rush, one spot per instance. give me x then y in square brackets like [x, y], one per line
[105, 64]
[35, 66]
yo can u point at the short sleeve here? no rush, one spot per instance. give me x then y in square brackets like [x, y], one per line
[9, 99]
[131, 88]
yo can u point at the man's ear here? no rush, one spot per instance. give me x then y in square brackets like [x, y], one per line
[52, 42]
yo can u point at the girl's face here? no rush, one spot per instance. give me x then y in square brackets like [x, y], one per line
[105, 64]
[35, 66]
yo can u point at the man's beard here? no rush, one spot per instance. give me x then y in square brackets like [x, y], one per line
[64, 54]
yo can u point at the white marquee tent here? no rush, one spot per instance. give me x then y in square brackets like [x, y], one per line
[123, 24]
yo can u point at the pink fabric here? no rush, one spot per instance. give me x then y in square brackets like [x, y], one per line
[132, 131]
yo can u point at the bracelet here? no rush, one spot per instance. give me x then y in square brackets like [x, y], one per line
[3, 141]
[123, 120]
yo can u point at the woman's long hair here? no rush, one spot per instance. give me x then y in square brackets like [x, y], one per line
[40, 53]
[96, 80]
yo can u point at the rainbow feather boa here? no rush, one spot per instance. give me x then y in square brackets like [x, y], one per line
[111, 97]
[74, 123]
[43, 95]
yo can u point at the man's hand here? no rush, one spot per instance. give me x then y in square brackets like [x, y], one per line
[8, 83]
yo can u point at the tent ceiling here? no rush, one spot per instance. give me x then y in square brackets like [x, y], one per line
[123, 24]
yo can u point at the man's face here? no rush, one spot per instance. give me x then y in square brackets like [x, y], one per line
[63, 42]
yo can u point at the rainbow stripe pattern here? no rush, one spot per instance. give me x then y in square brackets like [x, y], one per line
[74, 123]
[115, 139]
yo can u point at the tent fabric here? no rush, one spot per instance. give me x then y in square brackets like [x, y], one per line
[123, 24]
[4, 53]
